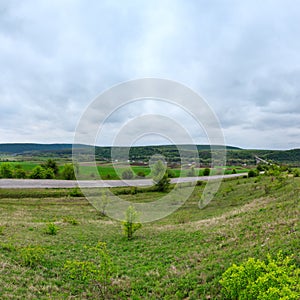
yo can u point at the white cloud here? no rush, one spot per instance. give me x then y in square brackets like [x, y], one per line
[243, 57]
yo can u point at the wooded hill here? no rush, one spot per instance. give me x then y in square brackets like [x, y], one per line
[235, 155]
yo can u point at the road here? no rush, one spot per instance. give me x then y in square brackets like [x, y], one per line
[50, 183]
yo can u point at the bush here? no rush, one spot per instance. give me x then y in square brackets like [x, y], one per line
[170, 173]
[254, 279]
[97, 272]
[163, 184]
[48, 173]
[76, 192]
[127, 174]
[2, 227]
[68, 172]
[19, 172]
[37, 173]
[32, 255]
[6, 170]
[51, 229]
[206, 172]
[105, 200]
[252, 173]
[296, 173]
[70, 220]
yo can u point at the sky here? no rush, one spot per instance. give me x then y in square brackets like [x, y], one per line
[242, 57]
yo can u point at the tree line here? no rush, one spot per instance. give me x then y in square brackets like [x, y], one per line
[47, 170]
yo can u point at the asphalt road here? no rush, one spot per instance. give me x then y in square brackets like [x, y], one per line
[50, 183]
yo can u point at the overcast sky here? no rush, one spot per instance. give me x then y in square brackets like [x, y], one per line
[242, 57]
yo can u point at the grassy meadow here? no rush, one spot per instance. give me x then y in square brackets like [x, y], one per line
[179, 257]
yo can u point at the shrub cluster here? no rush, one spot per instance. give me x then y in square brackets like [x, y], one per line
[47, 170]
[277, 278]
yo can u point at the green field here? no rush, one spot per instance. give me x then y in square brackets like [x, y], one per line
[108, 171]
[179, 257]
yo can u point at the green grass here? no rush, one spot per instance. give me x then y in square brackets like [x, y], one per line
[26, 165]
[107, 171]
[179, 257]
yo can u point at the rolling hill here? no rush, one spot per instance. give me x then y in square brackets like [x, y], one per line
[235, 155]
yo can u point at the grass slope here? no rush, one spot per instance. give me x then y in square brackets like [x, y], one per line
[179, 257]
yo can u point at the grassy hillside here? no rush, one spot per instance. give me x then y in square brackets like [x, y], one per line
[180, 257]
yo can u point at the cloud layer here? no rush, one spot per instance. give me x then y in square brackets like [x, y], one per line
[243, 57]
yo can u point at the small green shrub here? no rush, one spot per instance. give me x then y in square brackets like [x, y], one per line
[51, 229]
[133, 190]
[170, 173]
[82, 271]
[267, 189]
[255, 279]
[131, 224]
[75, 192]
[2, 227]
[296, 173]
[182, 218]
[252, 173]
[96, 272]
[32, 255]
[49, 173]
[70, 220]
[104, 201]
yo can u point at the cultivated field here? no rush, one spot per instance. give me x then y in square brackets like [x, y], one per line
[109, 171]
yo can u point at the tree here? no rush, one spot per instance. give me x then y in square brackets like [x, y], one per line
[49, 173]
[127, 174]
[131, 224]
[191, 172]
[19, 172]
[159, 170]
[37, 173]
[170, 173]
[105, 200]
[6, 170]
[68, 172]
[160, 177]
[51, 164]
[206, 172]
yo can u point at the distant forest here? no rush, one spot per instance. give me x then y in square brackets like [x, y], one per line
[235, 156]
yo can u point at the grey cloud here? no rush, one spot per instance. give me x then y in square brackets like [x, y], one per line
[242, 57]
